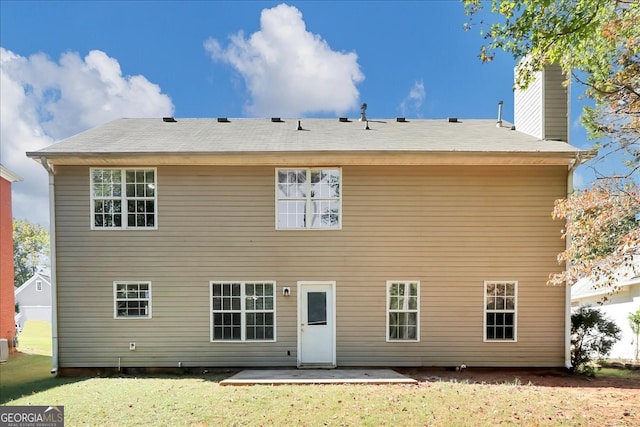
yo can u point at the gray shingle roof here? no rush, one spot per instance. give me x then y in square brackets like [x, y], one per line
[154, 136]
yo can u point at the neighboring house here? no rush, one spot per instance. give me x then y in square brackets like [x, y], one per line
[34, 299]
[617, 307]
[311, 242]
[7, 303]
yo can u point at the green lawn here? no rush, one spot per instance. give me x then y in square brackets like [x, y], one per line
[35, 338]
[199, 400]
[152, 401]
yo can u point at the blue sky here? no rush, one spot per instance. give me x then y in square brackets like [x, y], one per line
[70, 66]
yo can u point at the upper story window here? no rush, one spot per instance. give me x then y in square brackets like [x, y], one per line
[403, 311]
[123, 199]
[132, 299]
[38, 285]
[308, 199]
[500, 308]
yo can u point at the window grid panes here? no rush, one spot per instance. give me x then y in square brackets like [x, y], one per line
[242, 311]
[500, 311]
[123, 198]
[132, 299]
[403, 309]
[308, 198]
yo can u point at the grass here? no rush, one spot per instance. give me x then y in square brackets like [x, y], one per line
[618, 373]
[28, 370]
[128, 401]
[35, 338]
[199, 400]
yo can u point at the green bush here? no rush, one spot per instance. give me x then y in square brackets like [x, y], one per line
[592, 337]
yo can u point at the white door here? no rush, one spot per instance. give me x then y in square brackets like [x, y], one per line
[316, 324]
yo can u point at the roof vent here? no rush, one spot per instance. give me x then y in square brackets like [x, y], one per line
[276, 120]
[367, 126]
[223, 120]
[453, 120]
[169, 120]
[299, 125]
[401, 120]
[344, 120]
[363, 114]
[499, 122]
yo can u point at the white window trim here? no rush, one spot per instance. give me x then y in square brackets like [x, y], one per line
[243, 312]
[514, 311]
[38, 285]
[308, 212]
[388, 299]
[123, 198]
[115, 299]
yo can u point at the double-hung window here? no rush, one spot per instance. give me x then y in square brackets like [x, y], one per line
[132, 300]
[500, 309]
[403, 310]
[243, 311]
[308, 199]
[123, 198]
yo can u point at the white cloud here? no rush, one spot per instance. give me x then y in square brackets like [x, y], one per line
[411, 104]
[43, 101]
[288, 70]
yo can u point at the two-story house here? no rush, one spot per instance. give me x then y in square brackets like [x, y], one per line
[312, 242]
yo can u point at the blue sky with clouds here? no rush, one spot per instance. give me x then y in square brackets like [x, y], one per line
[68, 66]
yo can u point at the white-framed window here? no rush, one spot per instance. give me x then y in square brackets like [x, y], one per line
[500, 310]
[39, 285]
[308, 199]
[124, 198]
[243, 311]
[403, 310]
[132, 300]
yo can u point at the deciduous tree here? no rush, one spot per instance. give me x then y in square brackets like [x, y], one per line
[30, 249]
[595, 41]
[603, 228]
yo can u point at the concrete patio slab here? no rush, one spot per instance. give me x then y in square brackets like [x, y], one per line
[317, 376]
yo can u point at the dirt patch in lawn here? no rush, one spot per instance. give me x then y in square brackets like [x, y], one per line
[615, 398]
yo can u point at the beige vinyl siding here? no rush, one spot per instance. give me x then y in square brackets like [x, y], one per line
[451, 228]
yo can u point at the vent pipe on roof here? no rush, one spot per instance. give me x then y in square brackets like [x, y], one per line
[363, 114]
[367, 126]
[499, 122]
[299, 125]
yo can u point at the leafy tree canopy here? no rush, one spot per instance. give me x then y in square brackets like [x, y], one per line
[595, 41]
[604, 232]
[30, 249]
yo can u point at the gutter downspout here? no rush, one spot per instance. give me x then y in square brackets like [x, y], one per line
[52, 257]
[567, 290]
